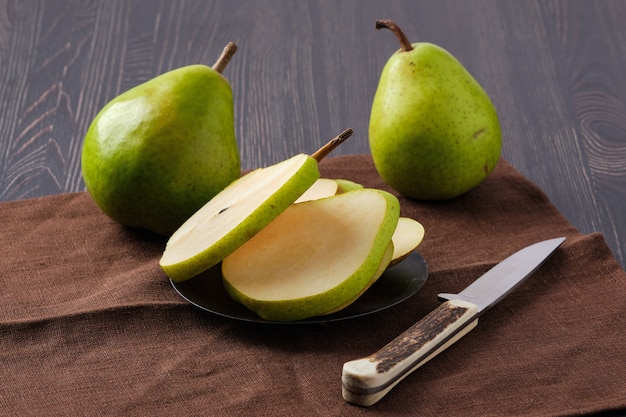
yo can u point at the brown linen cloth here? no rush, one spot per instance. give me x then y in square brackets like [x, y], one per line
[89, 325]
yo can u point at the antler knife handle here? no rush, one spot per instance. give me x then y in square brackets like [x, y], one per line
[365, 381]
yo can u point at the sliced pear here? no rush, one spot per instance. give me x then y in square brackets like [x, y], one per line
[239, 211]
[347, 185]
[326, 187]
[315, 257]
[234, 215]
[406, 238]
[322, 188]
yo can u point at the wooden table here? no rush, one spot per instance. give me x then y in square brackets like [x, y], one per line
[304, 71]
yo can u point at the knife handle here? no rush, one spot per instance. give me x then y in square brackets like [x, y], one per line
[365, 381]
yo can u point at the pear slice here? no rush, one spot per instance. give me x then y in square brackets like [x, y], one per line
[315, 257]
[322, 188]
[347, 185]
[407, 236]
[239, 211]
[234, 215]
[326, 187]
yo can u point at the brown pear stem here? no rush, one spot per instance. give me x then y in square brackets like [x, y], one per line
[224, 59]
[332, 144]
[404, 41]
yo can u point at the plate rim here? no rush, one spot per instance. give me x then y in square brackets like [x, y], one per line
[414, 257]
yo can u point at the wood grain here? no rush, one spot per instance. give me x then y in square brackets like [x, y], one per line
[305, 71]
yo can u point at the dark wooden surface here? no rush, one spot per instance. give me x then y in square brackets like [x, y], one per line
[305, 70]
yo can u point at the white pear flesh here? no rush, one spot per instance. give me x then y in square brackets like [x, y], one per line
[315, 257]
[406, 238]
[322, 188]
[236, 214]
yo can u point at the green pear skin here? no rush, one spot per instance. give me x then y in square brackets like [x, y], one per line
[158, 152]
[434, 133]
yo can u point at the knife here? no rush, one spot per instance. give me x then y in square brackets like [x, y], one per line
[365, 381]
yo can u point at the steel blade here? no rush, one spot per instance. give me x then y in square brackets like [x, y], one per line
[503, 278]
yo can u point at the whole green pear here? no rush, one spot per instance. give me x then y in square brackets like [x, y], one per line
[434, 133]
[158, 152]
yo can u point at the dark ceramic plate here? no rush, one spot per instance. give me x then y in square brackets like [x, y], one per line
[398, 283]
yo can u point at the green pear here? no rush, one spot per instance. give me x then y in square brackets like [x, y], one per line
[156, 153]
[434, 133]
[315, 257]
[239, 212]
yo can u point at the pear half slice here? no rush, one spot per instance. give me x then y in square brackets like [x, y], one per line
[239, 211]
[235, 215]
[406, 238]
[315, 257]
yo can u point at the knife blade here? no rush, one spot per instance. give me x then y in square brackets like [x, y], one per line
[365, 381]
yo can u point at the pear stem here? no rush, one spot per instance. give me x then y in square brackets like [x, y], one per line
[404, 41]
[224, 59]
[332, 144]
